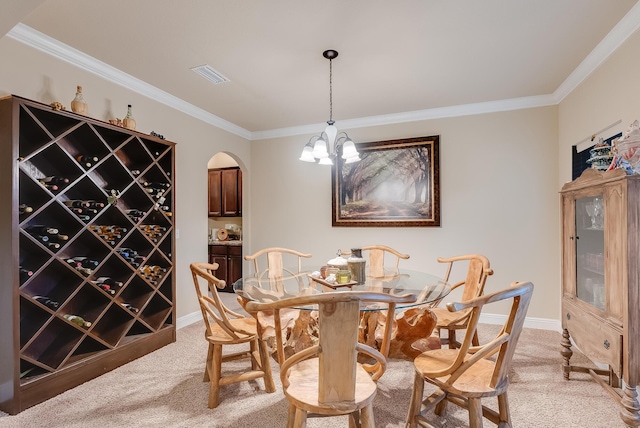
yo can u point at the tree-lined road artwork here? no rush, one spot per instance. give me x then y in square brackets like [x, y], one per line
[388, 184]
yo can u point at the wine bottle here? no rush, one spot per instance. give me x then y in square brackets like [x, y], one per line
[85, 271]
[77, 320]
[109, 281]
[62, 237]
[51, 187]
[128, 121]
[51, 304]
[130, 307]
[53, 179]
[75, 203]
[24, 209]
[42, 230]
[94, 204]
[134, 214]
[53, 245]
[42, 238]
[107, 288]
[78, 104]
[84, 261]
[87, 161]
[25, 274]
[156, 184]
[135, 171]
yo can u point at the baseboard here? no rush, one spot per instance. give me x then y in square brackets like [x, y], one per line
[189, 319]
[529, 322]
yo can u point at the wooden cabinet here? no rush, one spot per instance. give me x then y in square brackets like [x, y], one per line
[82, 201]
[225, 192]
[601, 280]
[229, 259]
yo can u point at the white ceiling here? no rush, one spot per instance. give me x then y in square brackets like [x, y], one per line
[400, 58]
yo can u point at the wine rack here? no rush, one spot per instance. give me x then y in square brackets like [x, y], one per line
[82, 234]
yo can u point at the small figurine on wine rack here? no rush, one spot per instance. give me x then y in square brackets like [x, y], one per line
[57, 106]
[112, 199]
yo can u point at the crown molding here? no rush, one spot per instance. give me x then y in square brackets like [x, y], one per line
[53, 47]
[415, 116]
[628, 25]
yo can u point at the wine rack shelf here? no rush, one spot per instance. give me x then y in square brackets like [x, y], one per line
[87, 277]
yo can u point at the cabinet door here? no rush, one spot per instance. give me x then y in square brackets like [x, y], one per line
[221, 273]
[235, 264]
[589, 250]
[230, 206]
[215, 196]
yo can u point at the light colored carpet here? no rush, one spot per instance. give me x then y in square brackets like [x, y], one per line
[165, 389]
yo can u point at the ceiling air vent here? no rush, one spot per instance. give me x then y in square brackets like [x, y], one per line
[210, 74]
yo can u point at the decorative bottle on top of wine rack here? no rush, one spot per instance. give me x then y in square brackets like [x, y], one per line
[78, 105]
[129, 122]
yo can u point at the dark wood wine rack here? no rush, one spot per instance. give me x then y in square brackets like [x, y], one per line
[42, 353]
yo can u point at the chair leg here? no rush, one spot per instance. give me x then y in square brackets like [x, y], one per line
[291, 415]
[416, 400]
[214, 382]
[253, 348]
[474, 340]
[265, 364]
[441, 406]
[354, 419]
[453, 343]
[300, 419]
[205, 378]
[503, 410]
[366, 417]
[475, 413]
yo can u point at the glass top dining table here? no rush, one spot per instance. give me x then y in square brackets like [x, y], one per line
[267, 286]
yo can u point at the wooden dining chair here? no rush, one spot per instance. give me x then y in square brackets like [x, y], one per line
[478, 269]
[327, 379]
[225, 327]
[274, 262]
[470, 373]
[376, 258]
[270, 266]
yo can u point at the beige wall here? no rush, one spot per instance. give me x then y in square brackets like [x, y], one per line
[29, 73]
[610, 94]
[500, 176]
[498, 197]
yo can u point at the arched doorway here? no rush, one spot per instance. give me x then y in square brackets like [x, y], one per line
[225, 217]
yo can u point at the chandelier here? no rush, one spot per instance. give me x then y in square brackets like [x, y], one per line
[324, 148]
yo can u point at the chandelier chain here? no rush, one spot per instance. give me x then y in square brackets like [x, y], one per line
[331, 90]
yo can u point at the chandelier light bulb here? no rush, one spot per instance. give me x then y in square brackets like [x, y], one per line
[320, 149]
[349, 149]
[307, 154]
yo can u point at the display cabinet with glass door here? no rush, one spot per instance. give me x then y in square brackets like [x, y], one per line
[601, 281]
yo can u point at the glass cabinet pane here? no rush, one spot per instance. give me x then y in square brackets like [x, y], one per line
[590, 251]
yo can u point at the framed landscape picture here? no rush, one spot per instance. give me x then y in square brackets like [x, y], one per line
[396, 183]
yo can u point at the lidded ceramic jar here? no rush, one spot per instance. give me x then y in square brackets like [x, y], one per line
[339, 262]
